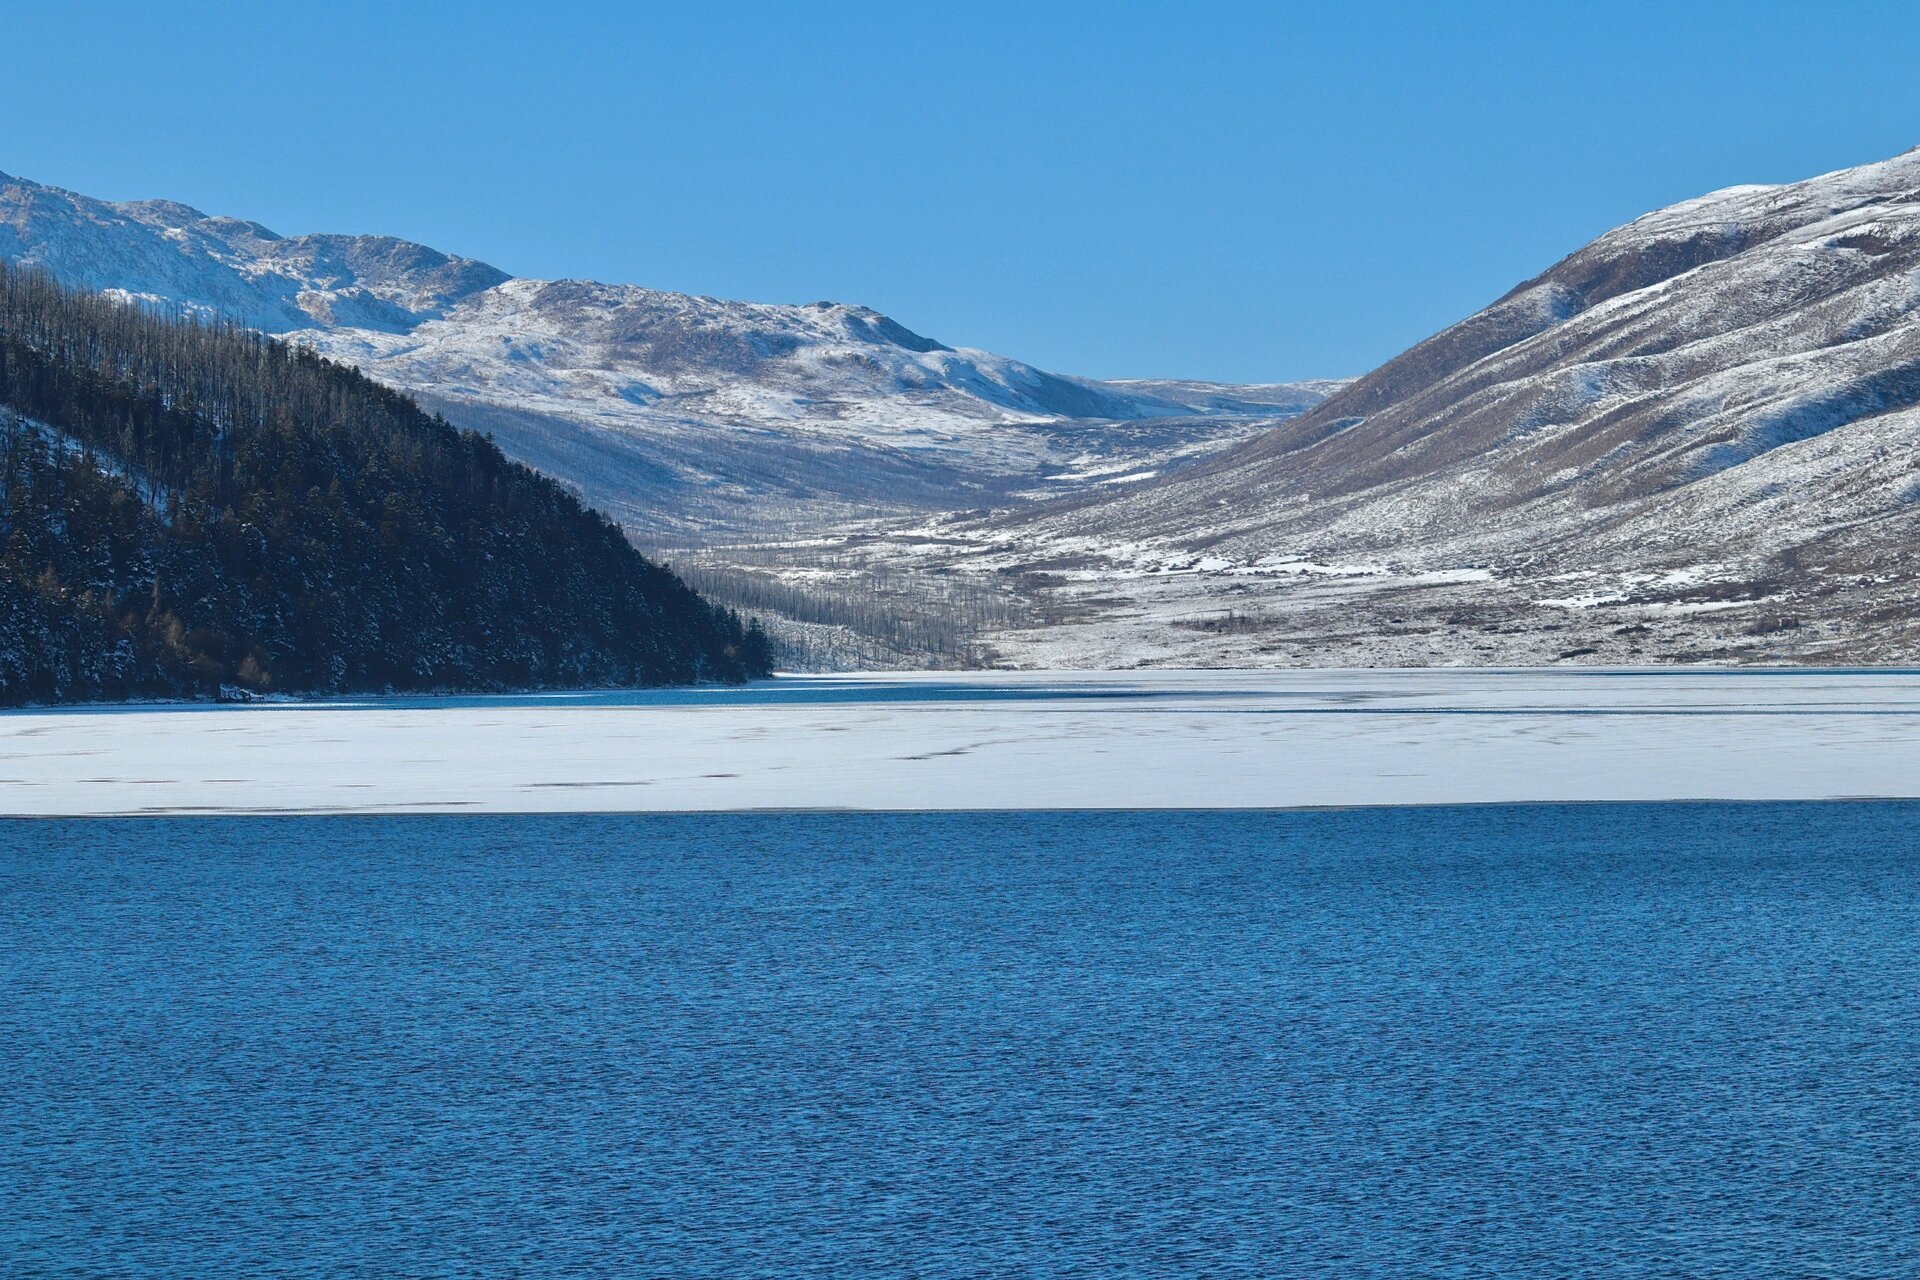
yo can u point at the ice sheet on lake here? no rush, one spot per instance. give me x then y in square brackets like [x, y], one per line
[1160, 739]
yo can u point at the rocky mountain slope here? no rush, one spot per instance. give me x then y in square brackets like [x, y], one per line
[684, 417]
[1698, 437]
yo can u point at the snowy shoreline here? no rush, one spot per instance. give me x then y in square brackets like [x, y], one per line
[1017, 740]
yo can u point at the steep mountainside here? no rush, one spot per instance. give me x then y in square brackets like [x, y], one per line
[186, 506]
[682, 416]
[1697, 437]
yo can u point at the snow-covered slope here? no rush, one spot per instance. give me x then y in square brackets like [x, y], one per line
[683, 416]
[743, 415]
[167, 253]
[1696, 437]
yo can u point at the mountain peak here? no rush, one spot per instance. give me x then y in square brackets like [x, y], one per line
[668, 409]
[163, 213]
[166, 252]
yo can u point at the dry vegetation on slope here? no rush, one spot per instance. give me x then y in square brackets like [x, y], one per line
[1695, 439]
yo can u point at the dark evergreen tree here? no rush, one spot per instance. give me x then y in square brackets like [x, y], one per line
[185, 505]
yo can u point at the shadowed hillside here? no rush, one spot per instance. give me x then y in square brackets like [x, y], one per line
[186, 506]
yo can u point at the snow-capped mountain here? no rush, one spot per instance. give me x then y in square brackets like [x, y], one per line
[1696, 437]
[167, 253]
[683, 416]
[743, 415]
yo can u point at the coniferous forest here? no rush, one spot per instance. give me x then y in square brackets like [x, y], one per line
[187, 507]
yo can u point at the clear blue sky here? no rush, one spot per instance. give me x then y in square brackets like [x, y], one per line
[1207, 190]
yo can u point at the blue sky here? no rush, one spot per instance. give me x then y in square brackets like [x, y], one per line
[1243, 192]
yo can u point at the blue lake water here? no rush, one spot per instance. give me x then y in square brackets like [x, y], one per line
[1512, 1041]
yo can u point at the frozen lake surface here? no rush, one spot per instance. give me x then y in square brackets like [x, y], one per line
[1152, 740]
[1600, 1040]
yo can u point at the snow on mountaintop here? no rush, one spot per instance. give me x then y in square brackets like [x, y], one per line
[689, 416]
[681, 415]
[168, 253]
[568, 340]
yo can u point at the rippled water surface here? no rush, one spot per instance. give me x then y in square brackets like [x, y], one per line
[1611, 1040]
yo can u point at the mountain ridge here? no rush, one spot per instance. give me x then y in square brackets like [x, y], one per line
[172, 254]
[665, 409]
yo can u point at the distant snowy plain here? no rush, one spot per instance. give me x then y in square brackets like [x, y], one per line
[1026, 740]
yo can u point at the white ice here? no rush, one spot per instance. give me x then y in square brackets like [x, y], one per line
[1196, 739]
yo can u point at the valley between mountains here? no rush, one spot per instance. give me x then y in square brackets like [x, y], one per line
[1693, 440]
[1696, 439]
